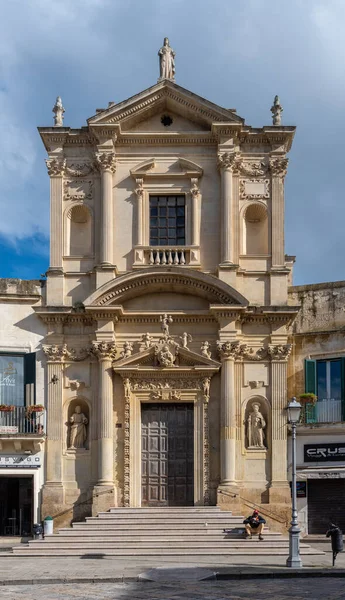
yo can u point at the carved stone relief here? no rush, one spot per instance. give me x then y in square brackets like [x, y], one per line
[81, 189]
[251, 189]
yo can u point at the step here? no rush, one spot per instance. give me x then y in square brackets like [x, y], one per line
[211, 545]
[160, 509]
[172, 520]
[242, 551]
[207, 537]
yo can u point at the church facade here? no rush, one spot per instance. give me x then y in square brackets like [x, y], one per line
[166, 306]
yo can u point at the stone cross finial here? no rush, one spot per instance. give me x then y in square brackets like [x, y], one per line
[58, 111]
[276, 111]
[166, 62]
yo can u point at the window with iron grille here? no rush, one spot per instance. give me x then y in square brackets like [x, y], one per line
[167, 220]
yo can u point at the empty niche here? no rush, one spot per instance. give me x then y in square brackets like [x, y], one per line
[255, 230]
[79, 231]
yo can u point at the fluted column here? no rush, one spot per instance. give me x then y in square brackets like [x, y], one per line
[278, 168]
[105, 352]
[107, 166]
[227, 352]
[56, 168]
[227, 162]
[279, 484]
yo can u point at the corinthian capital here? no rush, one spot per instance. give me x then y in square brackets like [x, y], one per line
[106, 161]
[228, 349]
[230, 161]
[56, 353]
[56, 166]
[278, 166]
[104, 350]
[280, 352]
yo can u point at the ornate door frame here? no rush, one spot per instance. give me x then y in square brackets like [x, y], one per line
[166, 387]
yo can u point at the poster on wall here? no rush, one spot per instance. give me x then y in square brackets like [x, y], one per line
[12, 380]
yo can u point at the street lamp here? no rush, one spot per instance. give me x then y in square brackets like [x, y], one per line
[294, 560]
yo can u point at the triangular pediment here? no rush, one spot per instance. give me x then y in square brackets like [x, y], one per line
[158, 168]
[190, 110]
[166, 354]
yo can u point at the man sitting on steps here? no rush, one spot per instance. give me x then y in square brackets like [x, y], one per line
[254, 524]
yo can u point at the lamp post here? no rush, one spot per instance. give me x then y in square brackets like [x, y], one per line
[294, 560]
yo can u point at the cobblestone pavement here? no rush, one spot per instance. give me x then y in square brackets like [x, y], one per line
[280, 589]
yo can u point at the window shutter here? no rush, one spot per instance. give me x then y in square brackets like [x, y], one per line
[30, 378]
[310, 376]
[343, 388]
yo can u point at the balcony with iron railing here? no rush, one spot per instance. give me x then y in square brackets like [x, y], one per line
[21, 421]
[325, 410]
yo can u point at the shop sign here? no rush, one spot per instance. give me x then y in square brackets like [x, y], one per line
[20, 462]
[9, 429]
[324, 452]
[301, 489]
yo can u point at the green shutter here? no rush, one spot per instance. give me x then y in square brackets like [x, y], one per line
[310, 377]
[30, 376]
[343, 387]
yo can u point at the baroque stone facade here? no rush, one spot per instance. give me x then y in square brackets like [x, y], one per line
[135, 319]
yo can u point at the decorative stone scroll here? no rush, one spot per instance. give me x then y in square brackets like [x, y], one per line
[139, 190]
[254, 168]
[236, 351]
[195, 191]
[56, 166]
[230, 161]
[278, 166]
[80, 169]
[59, 353]
[105, 161]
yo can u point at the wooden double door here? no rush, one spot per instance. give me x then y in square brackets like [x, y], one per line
[167, 454]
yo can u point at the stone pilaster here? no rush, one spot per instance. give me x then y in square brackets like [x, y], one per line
[140, 210]
[107, 166]
[279, 490]
[195, 193]
[278, 168]
[56, 168]
[53, 492]
[105, 353]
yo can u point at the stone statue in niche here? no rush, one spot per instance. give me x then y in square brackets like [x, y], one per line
[256, 425]
[77, 436]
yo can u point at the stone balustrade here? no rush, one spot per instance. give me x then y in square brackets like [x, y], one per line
[167, 255]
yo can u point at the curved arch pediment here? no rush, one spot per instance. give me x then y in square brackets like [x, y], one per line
[171, 279]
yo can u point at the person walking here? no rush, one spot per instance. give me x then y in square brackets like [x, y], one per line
[254, 525]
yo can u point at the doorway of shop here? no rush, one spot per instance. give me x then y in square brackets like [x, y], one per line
[16, 505]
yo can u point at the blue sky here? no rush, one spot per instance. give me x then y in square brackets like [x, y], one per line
[237, 53]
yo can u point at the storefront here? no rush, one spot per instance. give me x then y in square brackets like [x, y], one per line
[320, 483]
[20, 484]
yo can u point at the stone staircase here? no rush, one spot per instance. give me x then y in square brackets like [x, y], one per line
[158, 532]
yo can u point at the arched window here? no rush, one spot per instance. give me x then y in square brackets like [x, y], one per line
[79, 232]
[255, 230]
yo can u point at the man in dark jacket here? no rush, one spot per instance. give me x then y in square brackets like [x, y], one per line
[254, 525]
